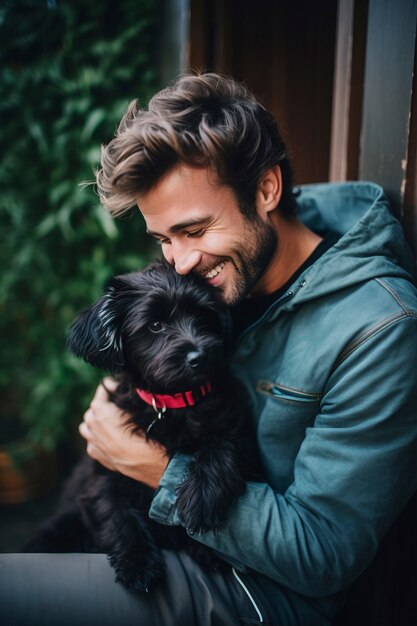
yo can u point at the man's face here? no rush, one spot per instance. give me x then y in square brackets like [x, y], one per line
[202, 230]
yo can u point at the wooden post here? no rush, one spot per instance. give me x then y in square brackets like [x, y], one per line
[387, 96]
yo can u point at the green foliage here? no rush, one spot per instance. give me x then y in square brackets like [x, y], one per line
[67, 71]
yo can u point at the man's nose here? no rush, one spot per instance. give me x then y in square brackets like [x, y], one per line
[185, 262]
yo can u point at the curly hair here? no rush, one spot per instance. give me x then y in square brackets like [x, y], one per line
[204, 120]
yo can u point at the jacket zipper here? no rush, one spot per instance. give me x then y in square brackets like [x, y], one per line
[249, 595]
[272, 389]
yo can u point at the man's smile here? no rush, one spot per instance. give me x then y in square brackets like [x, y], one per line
[214, 271]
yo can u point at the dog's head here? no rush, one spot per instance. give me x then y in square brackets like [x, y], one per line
[163, 329]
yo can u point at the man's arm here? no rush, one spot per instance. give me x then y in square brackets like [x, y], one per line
[354, 473]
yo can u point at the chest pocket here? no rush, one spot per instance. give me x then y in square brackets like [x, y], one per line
[286, 394]
[283, 420]
[285, 408]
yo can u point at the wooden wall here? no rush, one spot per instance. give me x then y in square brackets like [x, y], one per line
[284, 52]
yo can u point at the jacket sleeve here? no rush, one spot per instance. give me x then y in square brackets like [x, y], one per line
[355, 471]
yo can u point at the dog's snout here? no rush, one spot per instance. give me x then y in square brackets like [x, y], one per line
[195, 358]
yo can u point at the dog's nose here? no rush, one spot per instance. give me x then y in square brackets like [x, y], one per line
[194, 358]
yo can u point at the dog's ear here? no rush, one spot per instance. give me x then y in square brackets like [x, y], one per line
[95, 335]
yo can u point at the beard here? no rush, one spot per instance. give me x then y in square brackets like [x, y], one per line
[250, 259]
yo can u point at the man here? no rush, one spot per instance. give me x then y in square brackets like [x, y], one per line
[324, 334]
[324, 325]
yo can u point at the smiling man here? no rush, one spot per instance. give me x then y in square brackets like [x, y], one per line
[324, 314]
[201, 228]
[324, 311]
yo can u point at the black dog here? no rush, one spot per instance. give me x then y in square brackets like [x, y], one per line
[163, 335]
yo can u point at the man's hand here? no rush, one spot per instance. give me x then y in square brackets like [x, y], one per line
[113, 445]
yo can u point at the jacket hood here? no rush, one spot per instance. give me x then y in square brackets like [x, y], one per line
[371, 245]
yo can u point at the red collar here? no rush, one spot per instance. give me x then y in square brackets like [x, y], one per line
[175, 401]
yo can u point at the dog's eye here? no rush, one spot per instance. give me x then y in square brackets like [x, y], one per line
[156, 327]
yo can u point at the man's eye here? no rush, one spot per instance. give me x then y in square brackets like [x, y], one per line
[156, 327]
[196, 233]
[161, 242]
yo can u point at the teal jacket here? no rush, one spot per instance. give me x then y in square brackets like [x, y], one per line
[331, 369]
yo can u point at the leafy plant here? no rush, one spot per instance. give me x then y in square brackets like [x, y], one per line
[67, 71]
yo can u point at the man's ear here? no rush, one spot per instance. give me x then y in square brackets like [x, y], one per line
[95, 335]
[269, 191]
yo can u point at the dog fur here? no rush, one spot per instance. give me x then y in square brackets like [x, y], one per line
[162, 332]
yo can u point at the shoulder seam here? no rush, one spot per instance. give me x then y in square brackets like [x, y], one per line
[390, 290]
[371, 332]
